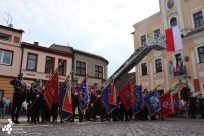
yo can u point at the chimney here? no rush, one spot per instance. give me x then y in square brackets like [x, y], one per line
[36, 43]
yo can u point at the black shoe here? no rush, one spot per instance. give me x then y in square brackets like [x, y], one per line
[16, 122]
[42, 121]
[28, 120]
[127, 120]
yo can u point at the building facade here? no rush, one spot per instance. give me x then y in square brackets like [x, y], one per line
[86, 63]
[155, 68]
[39, 62]
[10, 58]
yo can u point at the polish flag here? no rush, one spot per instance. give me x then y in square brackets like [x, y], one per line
[173, 39]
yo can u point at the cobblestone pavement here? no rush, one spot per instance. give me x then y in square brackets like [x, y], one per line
[168, 127]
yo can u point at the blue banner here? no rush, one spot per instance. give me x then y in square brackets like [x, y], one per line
[138, 102]
[152, 102]
[105, 97]
[84, 95]
[62, 92]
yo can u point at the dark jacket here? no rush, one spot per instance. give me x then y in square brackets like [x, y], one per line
[19, 89]
[2, 104]
[94, 98]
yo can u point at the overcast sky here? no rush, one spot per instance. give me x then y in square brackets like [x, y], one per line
[101, 27]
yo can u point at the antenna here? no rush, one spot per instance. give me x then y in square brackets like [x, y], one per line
[68, 41]
[7, 22]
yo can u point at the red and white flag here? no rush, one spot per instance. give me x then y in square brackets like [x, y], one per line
[173, 39]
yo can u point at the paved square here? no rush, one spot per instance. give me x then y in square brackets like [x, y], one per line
[168, 127]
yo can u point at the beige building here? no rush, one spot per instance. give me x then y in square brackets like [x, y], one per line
[10, 58]
[85, 62]
[39, 62]
[154, 68]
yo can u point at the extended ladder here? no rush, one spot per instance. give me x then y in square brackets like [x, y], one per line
[154, 41]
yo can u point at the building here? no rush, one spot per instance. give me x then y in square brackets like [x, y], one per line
[10, 58]
[85, 62]
[39, 62]
[155, 68]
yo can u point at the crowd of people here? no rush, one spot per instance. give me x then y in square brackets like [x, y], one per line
[33, 104]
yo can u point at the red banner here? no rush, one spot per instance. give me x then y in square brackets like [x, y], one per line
[126, 95]
[51, 89]
[113, 99]
[167, 105]
[67, 103]
[176, 102]
[196, 85]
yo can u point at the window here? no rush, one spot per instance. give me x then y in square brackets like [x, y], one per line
[178, 58]
[144, 69]
[80, 68]
[156, 33]
[5, 37]
[62, 68]
[5, 57]
[1, 93]
[198, 19]
[201, 54]
[98, 71]
[158, 65]
[173, 22]
[49, 64]
[161, 92]
[143, 40]
[32, 61]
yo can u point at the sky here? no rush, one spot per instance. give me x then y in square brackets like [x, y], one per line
[101, 27]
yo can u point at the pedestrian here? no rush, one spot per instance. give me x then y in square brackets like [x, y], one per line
[24, 108]
[7, 105]
[201, 105]
[18, 96]
[2, 107]
[96, 103]
[75, 101]
[192, 105]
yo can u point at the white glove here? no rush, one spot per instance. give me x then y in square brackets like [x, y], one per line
[37, 95]
[99, 96]
[91, 104]
[43, 88]
[30, 102]
[75, 93]
[119, 102]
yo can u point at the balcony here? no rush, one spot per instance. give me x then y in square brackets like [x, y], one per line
[180, 73]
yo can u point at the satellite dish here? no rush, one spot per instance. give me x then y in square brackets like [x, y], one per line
[186, 59]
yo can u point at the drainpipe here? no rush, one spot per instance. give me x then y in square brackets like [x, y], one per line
[21, 57]
[73, 57]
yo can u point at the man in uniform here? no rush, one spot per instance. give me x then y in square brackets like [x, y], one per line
[192, 105]
[75, 100]
[96, 103]
[201, 105]
[18, 96]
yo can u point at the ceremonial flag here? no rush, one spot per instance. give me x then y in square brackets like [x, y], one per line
[181, 68]
[176, 100]
[106, 93]
[51, 89]
[167, 104]
[152, 102]
[138, 102]
[170, 68]
[65, 103]
[83, 94]
[113, 99]
[126, 95]
[173, 39]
